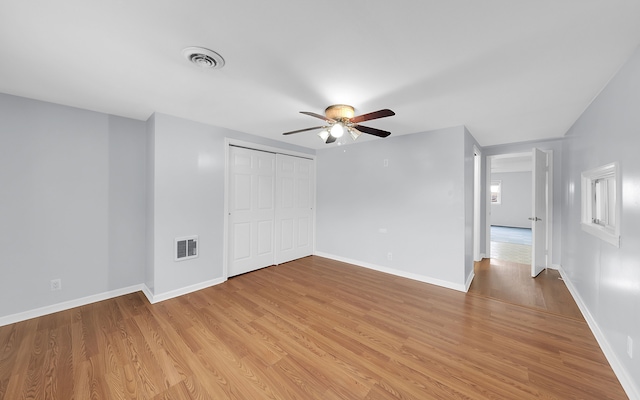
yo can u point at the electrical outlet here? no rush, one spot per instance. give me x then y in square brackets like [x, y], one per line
[56, 284]
[630, 346]
[389, 256]
[385, 162]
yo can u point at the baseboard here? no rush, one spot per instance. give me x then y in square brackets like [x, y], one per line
[621, 373]
[396, 272]
[66, 305]
[148, 293]
[156, 298]
[553, 266]
[467, 284]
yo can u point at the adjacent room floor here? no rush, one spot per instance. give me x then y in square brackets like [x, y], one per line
[511, 244]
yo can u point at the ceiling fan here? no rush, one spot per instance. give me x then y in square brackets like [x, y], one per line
[340, 118]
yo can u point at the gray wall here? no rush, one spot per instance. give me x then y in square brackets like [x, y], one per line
[187, 176]
[419, 199]
[515, 208]
[605, 278]
[96, 200]
[72, 203]
[127, 205]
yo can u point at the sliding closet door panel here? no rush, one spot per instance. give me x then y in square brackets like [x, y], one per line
[251, 210]
[294, 208]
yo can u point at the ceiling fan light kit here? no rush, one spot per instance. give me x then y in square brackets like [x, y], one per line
[354, 133]
[340, 118]
[337, 130]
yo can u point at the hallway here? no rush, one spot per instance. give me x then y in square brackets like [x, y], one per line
[512, 282]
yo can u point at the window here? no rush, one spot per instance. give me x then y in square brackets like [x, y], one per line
[496, 192]
[601, 203]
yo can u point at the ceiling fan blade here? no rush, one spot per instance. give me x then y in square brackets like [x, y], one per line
[312, 114]
[303, 130]
[372, 115]
[372, 131]
[331, 139]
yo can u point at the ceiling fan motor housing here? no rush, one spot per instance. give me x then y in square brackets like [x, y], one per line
[339, 112]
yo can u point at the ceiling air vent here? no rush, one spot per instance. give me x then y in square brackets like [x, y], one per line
[203, 58]
[186, 248]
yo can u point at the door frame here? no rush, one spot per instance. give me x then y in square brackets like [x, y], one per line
[477, 202]
[549, 185]
[228, 142]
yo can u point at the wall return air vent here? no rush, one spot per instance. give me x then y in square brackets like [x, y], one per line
[186, 248]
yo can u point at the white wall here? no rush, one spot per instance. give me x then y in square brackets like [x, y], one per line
[72, 203]
[606, 279]
[515, 207]
[419, 199]
[187, 177]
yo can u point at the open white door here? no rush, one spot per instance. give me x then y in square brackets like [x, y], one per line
[539, 210]
[251, 210]
[294, 208]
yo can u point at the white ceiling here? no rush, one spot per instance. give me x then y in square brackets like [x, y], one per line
[509, 70]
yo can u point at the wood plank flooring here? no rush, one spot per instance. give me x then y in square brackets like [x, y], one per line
[511, 282]
[309, 329]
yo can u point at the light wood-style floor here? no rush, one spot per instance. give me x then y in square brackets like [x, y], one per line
[512, 282]
[309, 329]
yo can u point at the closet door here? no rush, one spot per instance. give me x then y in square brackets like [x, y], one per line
[294, 207]
[251, 210]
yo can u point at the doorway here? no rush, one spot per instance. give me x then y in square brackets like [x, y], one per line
[519, 208]
[511, 281]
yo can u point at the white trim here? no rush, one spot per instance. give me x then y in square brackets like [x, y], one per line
[156, 298]
[482, 256]
[601, 233]
[609, 234]
[618, 368]
[477, 201]
[391, 271]
[549, 252]
[487, 205]
[83, 301]
[66, 305]
[250, 145]
[467, 284]
[225, 225]
[148, 293]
